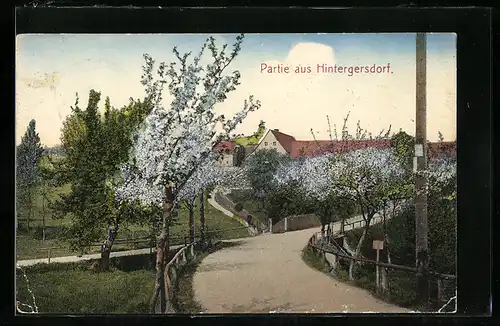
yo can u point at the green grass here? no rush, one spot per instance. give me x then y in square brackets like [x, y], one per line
[244, 141]
[31, 246]
[217, 223]
[402, 284]
[313, 260]
[250, 205]
[73, 288]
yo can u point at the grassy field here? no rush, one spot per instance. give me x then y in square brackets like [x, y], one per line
[73, 288]
[250, 205]
[31, 246]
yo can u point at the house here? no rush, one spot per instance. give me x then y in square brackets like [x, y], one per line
[226, 152]
[274, 139]
[287, 144]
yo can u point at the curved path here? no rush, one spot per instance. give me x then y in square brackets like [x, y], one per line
[266, 274]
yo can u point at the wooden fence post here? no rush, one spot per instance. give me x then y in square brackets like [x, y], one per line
[334, 263]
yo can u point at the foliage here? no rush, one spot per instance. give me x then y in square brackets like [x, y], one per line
[95, 145]
[260, 168]
[173, 142]
[441, 207]
[28, 155]
[404, 148]
[239, 155]
[238, 207]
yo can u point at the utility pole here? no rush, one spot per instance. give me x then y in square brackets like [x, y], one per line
[420, 167]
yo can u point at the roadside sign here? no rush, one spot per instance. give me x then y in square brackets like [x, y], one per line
[378, 245]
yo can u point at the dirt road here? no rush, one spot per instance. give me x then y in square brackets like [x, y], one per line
[266, 274]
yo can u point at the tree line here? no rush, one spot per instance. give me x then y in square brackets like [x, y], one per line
[364, 182]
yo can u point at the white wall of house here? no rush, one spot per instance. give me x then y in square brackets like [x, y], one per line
[270, 142]
[226, 160]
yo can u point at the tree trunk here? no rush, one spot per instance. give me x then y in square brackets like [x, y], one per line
[162, 249]
[357, 253]
[106, 247]
[202, 216]
[191, 222]
[159, 290]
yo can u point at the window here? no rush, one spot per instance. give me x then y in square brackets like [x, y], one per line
[265, 144]
[274, 143]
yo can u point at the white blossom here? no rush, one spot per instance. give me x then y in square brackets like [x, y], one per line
[441, 171]
[174, 146]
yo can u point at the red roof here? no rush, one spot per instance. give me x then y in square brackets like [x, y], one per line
[313, 147]
[226, 146]
[446, 148]
[285, 140]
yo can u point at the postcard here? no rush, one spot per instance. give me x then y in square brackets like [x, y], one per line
[235, 173]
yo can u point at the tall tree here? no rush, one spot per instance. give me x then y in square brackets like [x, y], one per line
[95, 145]
[364, 175]
[207, 175]
[173, 142]
[29, 153]
[260, 168]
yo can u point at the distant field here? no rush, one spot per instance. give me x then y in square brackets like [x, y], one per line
[31, 247]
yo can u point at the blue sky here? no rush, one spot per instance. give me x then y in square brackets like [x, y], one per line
[111, 64]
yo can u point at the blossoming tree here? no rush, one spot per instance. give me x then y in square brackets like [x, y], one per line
[205, 176]
[365, 176]
[175, 141]
[313, 176]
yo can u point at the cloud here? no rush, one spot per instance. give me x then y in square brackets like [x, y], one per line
[293, 102]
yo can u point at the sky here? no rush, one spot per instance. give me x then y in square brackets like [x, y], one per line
[52, 68]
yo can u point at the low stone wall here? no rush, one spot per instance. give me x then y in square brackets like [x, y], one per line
[297, 222]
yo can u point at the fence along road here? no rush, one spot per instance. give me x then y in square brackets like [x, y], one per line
[266, 274]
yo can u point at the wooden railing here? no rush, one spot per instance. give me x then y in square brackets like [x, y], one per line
[172, 271]
[333, 259]
[151, 242]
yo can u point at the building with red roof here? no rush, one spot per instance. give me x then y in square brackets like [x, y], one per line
[226, 151]
[288, 145]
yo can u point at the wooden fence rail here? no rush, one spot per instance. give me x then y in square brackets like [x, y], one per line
[151, 241]
[336, 257]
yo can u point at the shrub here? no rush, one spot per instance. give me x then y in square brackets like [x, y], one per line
[238, 207]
